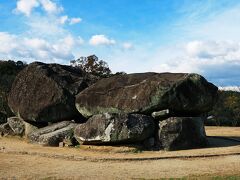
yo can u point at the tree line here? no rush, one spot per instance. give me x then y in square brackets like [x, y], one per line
[226, 111]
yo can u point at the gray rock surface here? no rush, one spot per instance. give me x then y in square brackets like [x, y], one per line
[115, 128]
[30, 127]
[177, 133]
[17, 125]
[144, 93]
[54, 134]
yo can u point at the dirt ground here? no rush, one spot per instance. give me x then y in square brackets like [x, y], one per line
[21, 160]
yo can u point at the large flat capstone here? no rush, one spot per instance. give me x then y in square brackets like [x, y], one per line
[144, 93]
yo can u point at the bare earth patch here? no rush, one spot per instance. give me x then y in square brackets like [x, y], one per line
[22, 160]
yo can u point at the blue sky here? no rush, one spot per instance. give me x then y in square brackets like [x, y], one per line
[200, 36]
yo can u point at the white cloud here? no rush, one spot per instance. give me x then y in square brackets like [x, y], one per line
[45, 27]
[26, 6]
[36, 43]
[218, 61]
[46, 39]
[101, 40]
[7, 42]
[212, 49]
[75, 21]
[196, 55]
[230, 88]
[127, 45]
[50, 6]
[32, 49]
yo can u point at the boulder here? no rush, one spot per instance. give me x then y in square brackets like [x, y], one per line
[115, 128]
[177, 133]
[46, 92]
[17, 125]
[54, 134]
[8, 72]
[144, 93]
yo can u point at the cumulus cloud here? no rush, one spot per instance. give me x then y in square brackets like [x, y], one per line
[212, 49]
[218, 61]
[46, 39]
[38, 49]
[101, 40]
[7, 42]
[26, 6]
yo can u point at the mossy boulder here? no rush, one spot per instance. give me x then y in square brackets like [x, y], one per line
[144, 93]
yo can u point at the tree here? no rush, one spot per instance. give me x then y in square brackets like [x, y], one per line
[93, 65]
[226, 112]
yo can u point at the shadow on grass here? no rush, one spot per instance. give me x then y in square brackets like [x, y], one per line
[223, 141]
[213, 142]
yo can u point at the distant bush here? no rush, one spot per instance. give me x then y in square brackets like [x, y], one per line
[226, 112]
